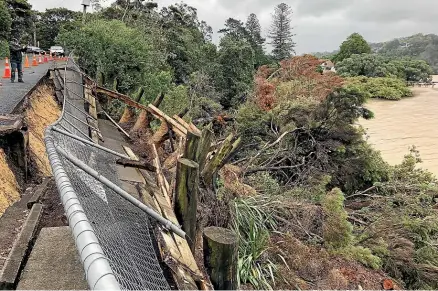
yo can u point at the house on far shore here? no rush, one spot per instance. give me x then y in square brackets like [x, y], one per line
[328, 66]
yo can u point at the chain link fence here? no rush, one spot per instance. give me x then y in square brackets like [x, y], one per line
[114, 237]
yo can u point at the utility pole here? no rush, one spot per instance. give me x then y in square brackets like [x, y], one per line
[34, 35]
[85, 3]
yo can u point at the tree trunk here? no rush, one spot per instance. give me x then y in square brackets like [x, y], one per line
[187, 183]
[100, 79]
[204, 147]
[144, 119]
[142, 123]
[159, 136]
[220, 257]
[129, 113]
[213, 166]
[192, 144]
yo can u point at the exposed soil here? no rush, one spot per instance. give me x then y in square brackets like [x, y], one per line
[53, 211]
[42, 111]
[9, 188]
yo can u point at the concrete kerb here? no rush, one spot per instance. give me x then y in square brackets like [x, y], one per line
[39, 193]
[14, 263]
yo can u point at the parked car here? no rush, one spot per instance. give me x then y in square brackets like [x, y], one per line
[34, 50]
[57, 51]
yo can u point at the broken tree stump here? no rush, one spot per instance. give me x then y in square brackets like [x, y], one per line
[186, 190]
[144, 119]
[213, 166]
[204, 147]
[192, 144]
[220, 257]
[129, 113]
[160, 135]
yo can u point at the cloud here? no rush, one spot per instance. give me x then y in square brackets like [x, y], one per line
[320, 25]
[42, 5]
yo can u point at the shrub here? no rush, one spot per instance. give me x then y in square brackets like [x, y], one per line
[362, 255]
[264, 183]
[385, 88]
[252, 221]
[119, 52]
[338, 232]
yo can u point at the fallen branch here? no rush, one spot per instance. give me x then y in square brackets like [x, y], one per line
[363, 194]
[267, 169]
[211, 119]
[137, 164]
[268, 146]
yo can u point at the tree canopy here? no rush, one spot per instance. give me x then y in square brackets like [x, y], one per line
[355, 44]
[52, 21]
[21, 14]
[373, 65]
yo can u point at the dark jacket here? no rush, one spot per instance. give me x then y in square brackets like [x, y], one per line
[16, 50]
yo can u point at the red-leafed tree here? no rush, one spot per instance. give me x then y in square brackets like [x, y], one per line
[298, 78]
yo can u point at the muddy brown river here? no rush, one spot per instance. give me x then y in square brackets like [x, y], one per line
[398, 125]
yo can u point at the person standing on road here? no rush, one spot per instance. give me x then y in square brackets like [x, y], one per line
[16, 60]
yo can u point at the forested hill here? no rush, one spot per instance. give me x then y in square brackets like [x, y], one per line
[418, 46]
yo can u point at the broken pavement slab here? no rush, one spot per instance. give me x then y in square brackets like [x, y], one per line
[10, 123]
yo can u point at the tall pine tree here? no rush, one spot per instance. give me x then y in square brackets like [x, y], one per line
[255, 30]
[281, 32]
[255, 38]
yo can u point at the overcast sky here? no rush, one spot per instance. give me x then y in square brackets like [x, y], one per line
[320, 25]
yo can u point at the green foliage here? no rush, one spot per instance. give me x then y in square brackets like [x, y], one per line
[373, 65]
[385, 88]
[257, 41]
[52, 21]
[186, 40]
[252, 221]
[264, 183]
[21, 15]
[355, 44]
[361, 255]
[5, 22]
[281, 32]
[177, 99]
[418, 46]
[119, 52]
[236, 59]
[4, 49]
[252, 123]
[313, 139]
[403, 224]
[338, 232]
[204, 97]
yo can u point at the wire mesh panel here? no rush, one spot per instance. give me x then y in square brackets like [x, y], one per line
[123, 231]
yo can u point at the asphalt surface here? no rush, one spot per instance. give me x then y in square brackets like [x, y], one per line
[11, 94]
